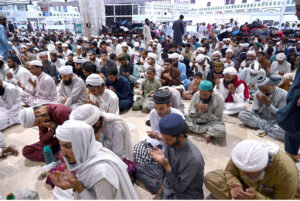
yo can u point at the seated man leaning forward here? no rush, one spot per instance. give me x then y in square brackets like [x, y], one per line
[233, 90]
[256, 170]
[267, 101]
[112, 130]
[206, 113]
[47, 118]
[182, 161]
[99, 173]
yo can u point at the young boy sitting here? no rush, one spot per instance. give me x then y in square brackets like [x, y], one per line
[149, 86]
[194, 87]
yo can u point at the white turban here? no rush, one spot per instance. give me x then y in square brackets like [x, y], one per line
[181, 57]
[37, 49]
[280, 56]
[36, 63]
[108, 41]
[58, 43]
[202, 49]
[230, 71]
[200, 58]
[253, 155]
[217, 53]
[66, 70]
[251, 52]
[244, 45]
[65, 45]
[94, 80]
[27, 117]
[124, 44]
[136, 44]
[174, 56]
[23, 46]
[229, 51]
[42, 54]
[78, 60]
[88, 113]
[152, 56]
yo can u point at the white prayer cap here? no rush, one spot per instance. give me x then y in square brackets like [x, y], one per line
[37, 49]
[230, 71]
[121, 38]
[133, 36]
[23, 46]
[217, 53]
[278, 43]
[253, 155]
[174, 56]
[244, 45]
[156, 40]
[262, 81]
[200, 58]
[251, 52]
[78, 60]
[229, 51]
[101, 36]
[297, 2]
[152, 55]
[124, 44]
[280, 56]
[87, 113]
[58, 43]
[66, 70]
[28, 44]
[136, 44]
[255, 67]
[78, 47]
[65, 45]
[108, 41]
[94, 80]
[35, 63]
[114, 38]
[27, 117]
[202, 49]
[53, 51]
[229, 29]
[181, 57]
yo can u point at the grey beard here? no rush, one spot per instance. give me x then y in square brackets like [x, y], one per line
[258, 178]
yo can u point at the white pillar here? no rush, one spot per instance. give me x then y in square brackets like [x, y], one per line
[92, 12]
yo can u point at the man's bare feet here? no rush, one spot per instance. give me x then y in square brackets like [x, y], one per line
[10, 149]
[207, 138]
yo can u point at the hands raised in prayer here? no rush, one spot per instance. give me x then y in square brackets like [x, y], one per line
[33, 83]
[89, 101]
[168, 76]
[231, 88]
[64, 100]
[159, 156]
[140, 93]
[21, 85]
[50, 125]
[201, 107]
[218, 83]
[66, 180]
[237, 192]
[125, 74]
[263, 100]
[251, 86]
[154, 135]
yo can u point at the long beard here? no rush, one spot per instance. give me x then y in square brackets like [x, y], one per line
[206, 101]
[226, 83]
[67, 83]
[256, 179]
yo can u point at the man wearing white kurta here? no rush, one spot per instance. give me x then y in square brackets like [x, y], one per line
[147, 33]
[233, 90]
[105, 99]
[44, 88]
[10, 101]
[3, 69]
[100, 174]
[17, 74]
[72, 90]
[202, 66]
[279, 68]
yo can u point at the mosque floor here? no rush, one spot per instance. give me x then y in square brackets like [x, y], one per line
[18, 173]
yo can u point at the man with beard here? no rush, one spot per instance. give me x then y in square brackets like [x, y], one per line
[170, 76]
[233, 90]
[17, 74]
[250, 76]
[78, 61]
[43, 88]
[267, 101]
[47, 118]
[66, 50]
[251, 55]
[152, 62]
[48, 68]
[182, 68]
[26, 56]
[279, 68]
[72, 90]
[84, 54]
[57, 62]
[147, 33]
[70, 60]
[4, 45]
[202, 66]
[181, 160]
[95, 60]
[205, 114]
[216, 72]
[10, 101]
[256, 170]
[121, 86]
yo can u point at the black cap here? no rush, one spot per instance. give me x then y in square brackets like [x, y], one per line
[162, 97]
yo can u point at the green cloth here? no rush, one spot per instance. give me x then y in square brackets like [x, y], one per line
[206, 85]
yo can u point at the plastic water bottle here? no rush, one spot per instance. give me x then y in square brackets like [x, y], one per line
[48, 155]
